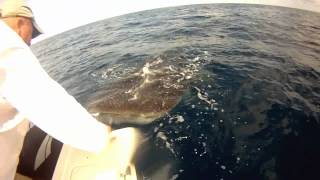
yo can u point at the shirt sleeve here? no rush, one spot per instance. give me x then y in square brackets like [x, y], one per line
[45, 103]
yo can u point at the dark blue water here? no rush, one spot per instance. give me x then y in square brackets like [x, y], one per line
[250, 107]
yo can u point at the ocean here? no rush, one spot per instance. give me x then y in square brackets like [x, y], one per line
[234, 90]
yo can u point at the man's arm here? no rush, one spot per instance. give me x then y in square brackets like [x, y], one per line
[44, 102]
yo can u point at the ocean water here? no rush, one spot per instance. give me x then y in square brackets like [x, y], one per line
[243, 82]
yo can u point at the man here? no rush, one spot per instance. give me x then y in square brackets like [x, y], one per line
[28, 93]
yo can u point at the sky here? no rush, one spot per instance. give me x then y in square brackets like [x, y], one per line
[58, 16]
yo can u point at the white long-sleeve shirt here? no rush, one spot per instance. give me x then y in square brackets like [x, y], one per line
[43, 101]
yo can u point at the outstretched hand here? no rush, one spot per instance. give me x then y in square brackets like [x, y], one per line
[120, 148]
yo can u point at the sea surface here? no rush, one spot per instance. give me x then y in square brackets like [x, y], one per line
[248, 78]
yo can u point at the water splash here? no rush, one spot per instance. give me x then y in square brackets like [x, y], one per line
[204, 97]
[164, 138]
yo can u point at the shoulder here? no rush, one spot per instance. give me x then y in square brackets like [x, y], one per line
[9, 38]
[13, 50]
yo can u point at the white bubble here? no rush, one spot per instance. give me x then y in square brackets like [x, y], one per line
[180, 119]
[196, 58]
[188, 77]
[223, 167]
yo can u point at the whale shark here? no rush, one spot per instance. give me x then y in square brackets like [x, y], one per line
[144, 95]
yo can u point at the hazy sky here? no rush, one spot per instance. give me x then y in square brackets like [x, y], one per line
[60, 15]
